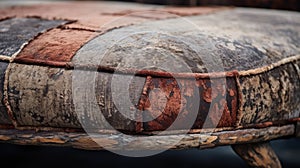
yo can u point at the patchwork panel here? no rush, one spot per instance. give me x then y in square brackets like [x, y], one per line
[16, 32]
[55, 47]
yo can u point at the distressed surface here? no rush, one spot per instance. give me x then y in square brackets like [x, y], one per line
[44, 100]
[115, 141]
[185, 104]
[54, 47]
[271, 96]
[234, 40]
[16, 32]
[183, 49]
[238, 39]
[47, 100]
[180, 48]
[95, 94]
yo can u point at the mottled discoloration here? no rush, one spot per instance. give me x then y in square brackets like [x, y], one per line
[271, 96]
[258, 155]
[191, 50]
[237, 39]
[128, 48]
[112, 101]
[238, 70]
[217, 105]
[188, 102]
[35, 103]
[45, 99]
[167, 100]
[16, 32]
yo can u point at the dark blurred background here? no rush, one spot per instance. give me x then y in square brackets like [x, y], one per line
[274, 4]
[270, 4]
[288, 150]
[52, 157]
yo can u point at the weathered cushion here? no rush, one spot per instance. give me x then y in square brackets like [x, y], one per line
[224, 67]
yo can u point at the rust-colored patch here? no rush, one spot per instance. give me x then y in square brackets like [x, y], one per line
[170, 104]
[163, 104]
[55, 47]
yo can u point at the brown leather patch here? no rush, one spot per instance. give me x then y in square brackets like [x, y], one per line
[55, 47]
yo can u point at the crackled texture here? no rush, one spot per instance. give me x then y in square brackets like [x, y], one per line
[16, 32]
[232, 41]
[169, 77]
[162, 52]
[182, 104]
[100, 100]
[119, 102]
[44, 101]
[238, 39]
[48, 101]
[271, 96]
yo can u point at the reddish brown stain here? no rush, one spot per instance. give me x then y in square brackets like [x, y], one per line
[231, 92]
[226, 119]
[55, 47]
[167, 100]
[233, 99]
[207, 95]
